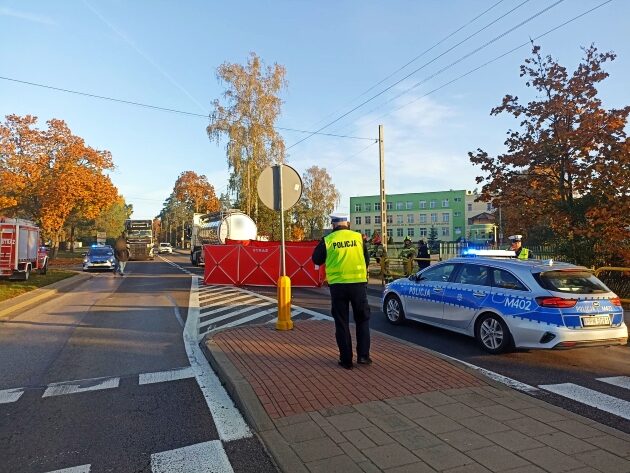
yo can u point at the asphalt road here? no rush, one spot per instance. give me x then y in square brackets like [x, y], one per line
[100, 376]
[582, 367]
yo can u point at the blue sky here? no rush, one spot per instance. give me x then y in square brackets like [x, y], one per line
[165, 53]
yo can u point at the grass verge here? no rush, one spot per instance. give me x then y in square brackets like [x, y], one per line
[9, 289]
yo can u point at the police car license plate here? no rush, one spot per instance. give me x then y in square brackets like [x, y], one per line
[596, 321]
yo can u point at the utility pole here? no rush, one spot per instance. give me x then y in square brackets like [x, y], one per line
[381, 155]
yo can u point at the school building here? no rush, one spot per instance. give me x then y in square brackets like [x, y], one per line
[454, 214]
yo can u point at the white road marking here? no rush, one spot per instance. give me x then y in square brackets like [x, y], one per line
[10, 395]
[512, 383]
[163, 376]
[74, 469]
[242, 299]
[592, 398]
[72, 387]
[228, 420]
[249, 318]
[620, 381]
[232, 314]
[203, 457]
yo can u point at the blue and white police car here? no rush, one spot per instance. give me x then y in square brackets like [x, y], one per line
[505, 302]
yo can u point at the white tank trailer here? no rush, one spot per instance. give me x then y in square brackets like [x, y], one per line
[217, 227]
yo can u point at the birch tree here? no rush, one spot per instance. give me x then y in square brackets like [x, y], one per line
[245, 120]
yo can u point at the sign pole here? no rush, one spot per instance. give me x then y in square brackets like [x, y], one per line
[284, 282]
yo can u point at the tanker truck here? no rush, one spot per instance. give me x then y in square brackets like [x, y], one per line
[217, 227]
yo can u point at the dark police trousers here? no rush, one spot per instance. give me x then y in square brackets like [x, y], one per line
[355, 294]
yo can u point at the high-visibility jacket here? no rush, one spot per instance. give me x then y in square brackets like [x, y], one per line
[345, 262]
[524, 254]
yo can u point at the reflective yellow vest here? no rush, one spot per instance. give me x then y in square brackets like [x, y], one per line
[524, 254]
[344, 257]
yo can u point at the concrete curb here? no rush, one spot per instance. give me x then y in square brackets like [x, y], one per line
[41, 294]
[247, 401]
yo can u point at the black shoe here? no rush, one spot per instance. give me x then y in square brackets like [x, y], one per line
[364, 360]
[347, 366]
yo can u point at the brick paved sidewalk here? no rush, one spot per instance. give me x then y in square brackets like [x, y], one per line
[411, 411]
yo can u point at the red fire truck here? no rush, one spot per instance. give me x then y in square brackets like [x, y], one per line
[20, 252]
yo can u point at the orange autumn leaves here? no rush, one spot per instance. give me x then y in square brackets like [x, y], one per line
[49, 174]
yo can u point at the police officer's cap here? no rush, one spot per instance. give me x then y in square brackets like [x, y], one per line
[338, 220]
[515, 237]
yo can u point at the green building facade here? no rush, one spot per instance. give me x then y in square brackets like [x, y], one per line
[412, 215]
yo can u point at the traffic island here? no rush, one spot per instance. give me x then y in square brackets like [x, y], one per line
[411, 410]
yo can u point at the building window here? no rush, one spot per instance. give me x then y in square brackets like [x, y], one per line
[445, 203]
[368, 233]
[446, 217]
[409, 205]
[390, 232]
[410, 232]
[368, 220]
[390, 206]
[368, 206]
[423, 218]
[433, 218]
[399, 219]
[390, 218]
[357, 207]
[423, 232]
[377, 219]
[377, 206]
[399, 205]
[457, 214]
[446, 231]
[457, 199]
[489, 207]
[399, 232]
[432, 204]
[357, 220]
[409, 218]
[470, 207]
[458, 230]
[422, 204]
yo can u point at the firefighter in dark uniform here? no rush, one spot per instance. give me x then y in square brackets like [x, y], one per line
[517, 247]
[346, 259]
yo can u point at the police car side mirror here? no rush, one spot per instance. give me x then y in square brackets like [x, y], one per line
[413, 277]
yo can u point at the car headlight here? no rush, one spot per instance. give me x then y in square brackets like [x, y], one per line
[85, 260]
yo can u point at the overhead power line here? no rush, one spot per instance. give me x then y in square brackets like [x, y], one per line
[450, 35]
[423, 66]
[496, 58]
[161, 109]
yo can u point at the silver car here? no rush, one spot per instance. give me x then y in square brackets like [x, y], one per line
[506, 303]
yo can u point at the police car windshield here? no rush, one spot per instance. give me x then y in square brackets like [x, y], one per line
[574, 282]
[101, 252]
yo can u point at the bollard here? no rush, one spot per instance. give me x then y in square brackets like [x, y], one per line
[284, 304]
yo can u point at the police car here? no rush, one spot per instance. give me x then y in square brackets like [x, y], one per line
[505, 302]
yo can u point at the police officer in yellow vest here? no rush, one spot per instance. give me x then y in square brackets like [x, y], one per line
[517, 247]
[346, 259]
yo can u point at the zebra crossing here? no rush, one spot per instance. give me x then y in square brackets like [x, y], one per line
[596, 398]
[223, 307]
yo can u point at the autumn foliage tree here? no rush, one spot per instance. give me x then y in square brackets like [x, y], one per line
[196, 192]
[245, 121]
[319, 199]
[566, 172]
[51, 175]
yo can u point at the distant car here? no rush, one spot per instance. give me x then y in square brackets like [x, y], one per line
[165, 248]
[99, 257]
[507, 303]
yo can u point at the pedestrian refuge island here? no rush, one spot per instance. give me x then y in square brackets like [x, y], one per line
[258, 263]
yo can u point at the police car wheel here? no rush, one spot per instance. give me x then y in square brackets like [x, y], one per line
[394, 310]
[493, 334]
